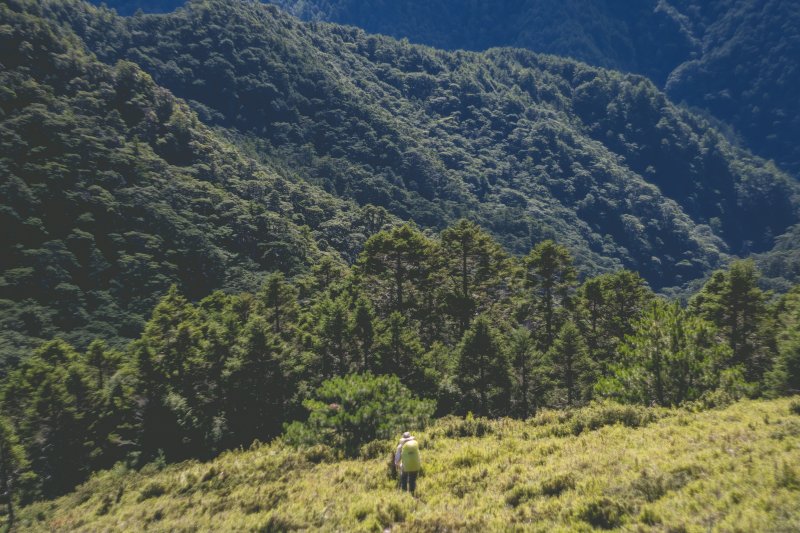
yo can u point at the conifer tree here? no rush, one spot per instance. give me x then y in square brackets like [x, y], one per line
[483, 373]
[733, 302]
[396, 264]
[473, 263]
[572, 369]
[529, 372]
[550, 277]
[13, 464]
[363, 334]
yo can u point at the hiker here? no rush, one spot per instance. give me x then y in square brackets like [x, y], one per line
[407, 462]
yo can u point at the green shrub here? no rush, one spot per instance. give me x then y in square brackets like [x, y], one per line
[469, 426]
[557, 484]
[609, 413]
[348, 412]
[794, 407]
[521, 494]
[604, 513]
[153, 489]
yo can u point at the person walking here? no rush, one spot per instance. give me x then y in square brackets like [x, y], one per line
[407, 462]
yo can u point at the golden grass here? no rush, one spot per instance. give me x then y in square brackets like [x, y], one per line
[736, 469]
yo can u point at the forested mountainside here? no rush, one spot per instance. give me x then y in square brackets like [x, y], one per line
[530, 146]
[112, 190]
[737, 59]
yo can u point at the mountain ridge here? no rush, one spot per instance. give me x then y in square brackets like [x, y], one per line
[409, 92]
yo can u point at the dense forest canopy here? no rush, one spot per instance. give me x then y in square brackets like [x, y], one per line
[736, 60]
[531, 146]
[112, 190]
[418, 326]
[116, 188]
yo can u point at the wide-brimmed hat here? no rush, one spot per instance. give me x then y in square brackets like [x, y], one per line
[406, 435]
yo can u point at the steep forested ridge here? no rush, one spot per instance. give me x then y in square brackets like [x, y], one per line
[736, 59]
[530, 146]
[112, 190]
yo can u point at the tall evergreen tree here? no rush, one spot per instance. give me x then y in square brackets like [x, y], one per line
[279, 299]
[529, 372]
[255, 385]
[363, 334]
[784, 377]
[550, 277]
[333, 337]
[733, 302]
[13, 465]
[483, 373]
[572, 369]
[396, 264]
[607, 309]
[473, 263]
[398, 348]
[672, 357]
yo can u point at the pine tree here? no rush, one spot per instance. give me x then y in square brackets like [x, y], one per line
[672, 357]
[13, 464]
[733, 302]
[607, 307]
[483, 373]
[396, 264]
[279, 300]
[398, 348]
[473, 264]
[529, 371]
[571, 366]
[333, 337]
[550, 277]
[362, 333]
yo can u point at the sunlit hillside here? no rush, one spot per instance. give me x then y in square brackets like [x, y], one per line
[603, 467]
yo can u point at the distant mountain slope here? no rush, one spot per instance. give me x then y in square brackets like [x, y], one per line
[130, 7]
[112, 190]
[530, 146]
[738, 59]
[629, 36]
[736, 468]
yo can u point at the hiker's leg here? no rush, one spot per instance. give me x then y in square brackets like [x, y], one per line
[404, 481]
[412, 482]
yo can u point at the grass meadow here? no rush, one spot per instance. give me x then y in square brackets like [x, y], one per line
[604, 467]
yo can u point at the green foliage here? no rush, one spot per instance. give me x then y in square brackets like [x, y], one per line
[531, 146]
[346, 413]
[784, 377]
[551, 277]
[724, 464]
[733, 302]
[607, 309]
[483, 373]
[671, 358]
[735, 60]
[571, 366]
[14, 467]
[113, 190]
[120, 200]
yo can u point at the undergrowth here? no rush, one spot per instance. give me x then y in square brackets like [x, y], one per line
[605, 467]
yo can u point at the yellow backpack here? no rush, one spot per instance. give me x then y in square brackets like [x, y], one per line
[410, 457]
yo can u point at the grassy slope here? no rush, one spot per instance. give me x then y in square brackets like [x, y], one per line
[732, 470]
